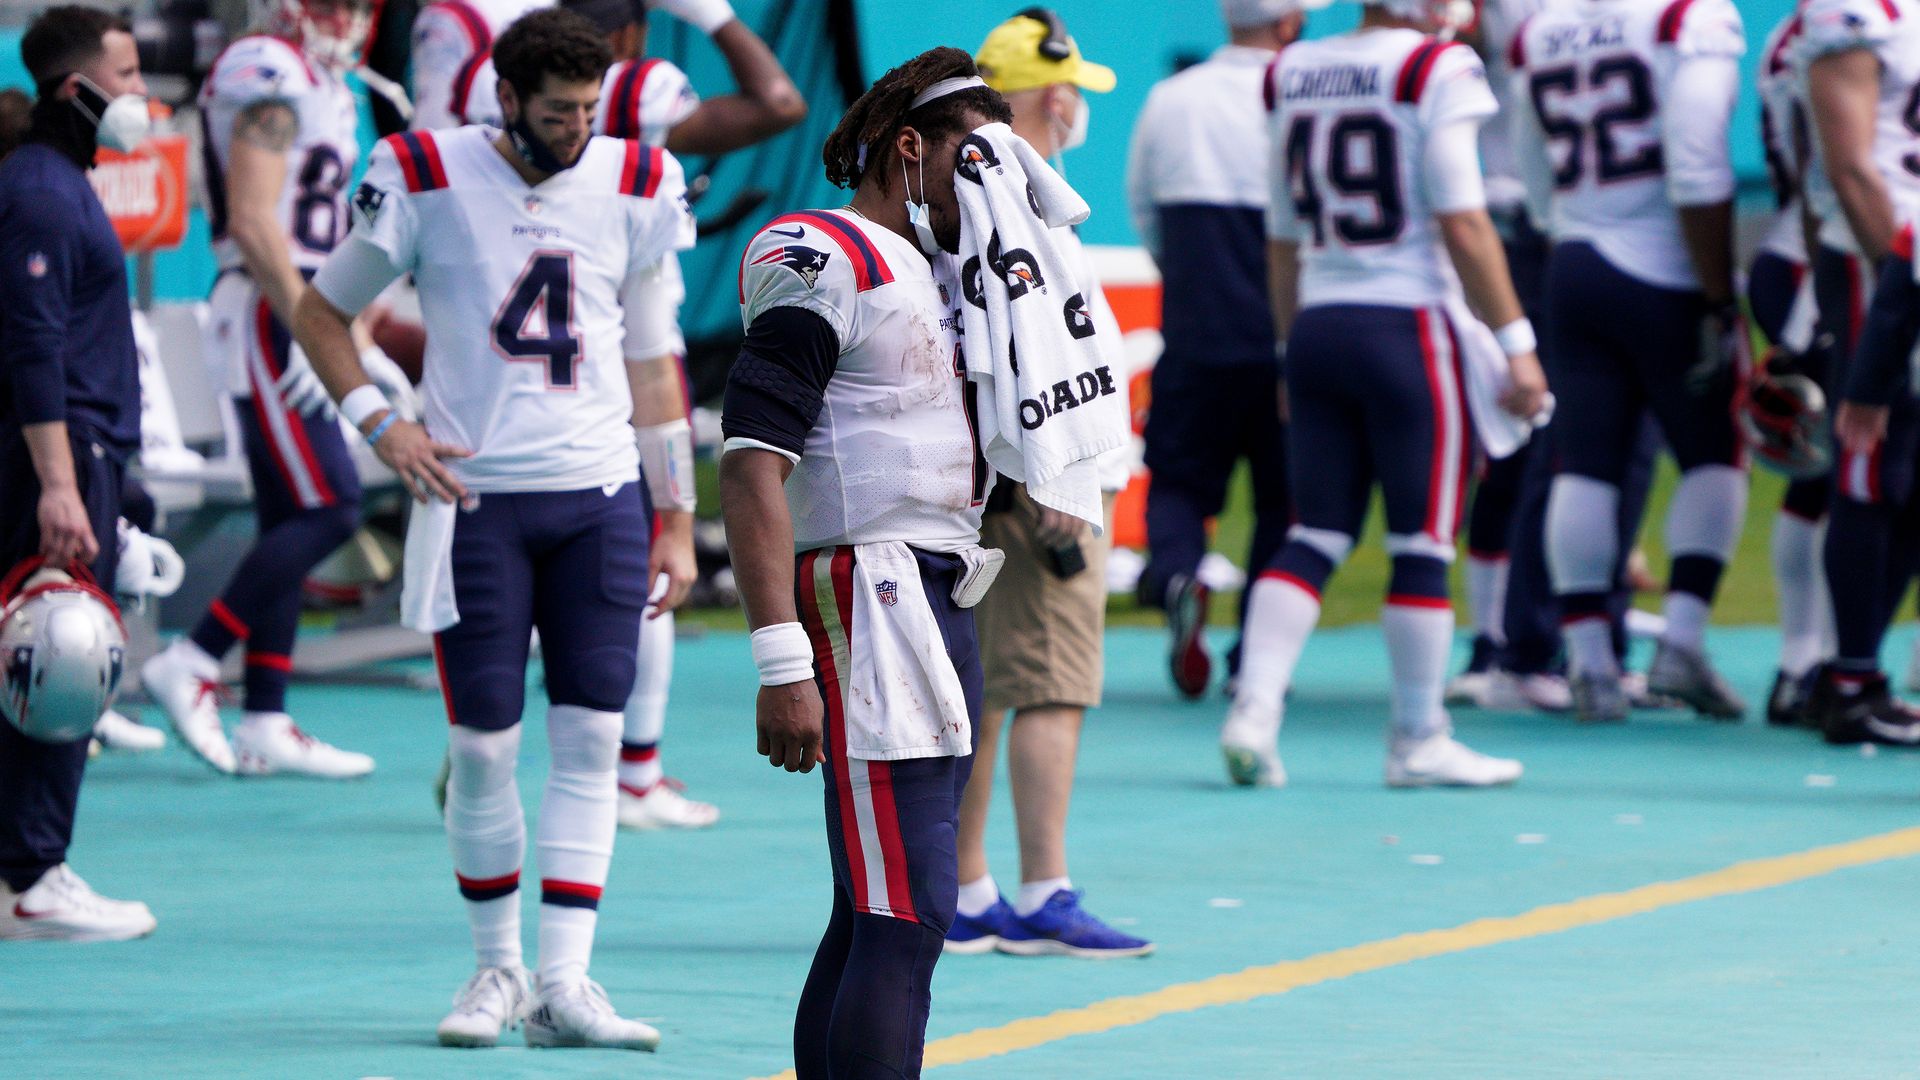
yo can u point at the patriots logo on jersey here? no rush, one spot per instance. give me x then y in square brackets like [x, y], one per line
[976, 154]
[804, 261]
[888, 592]
[368, 201]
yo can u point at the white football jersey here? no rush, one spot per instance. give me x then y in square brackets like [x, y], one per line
[892, 455]
[1785, 135]
[1600, 75]
[446, 35]
[520, 289]
[639, 99]
[1500, 20]
[1350, 119]
[313, 200]
[1890, 29]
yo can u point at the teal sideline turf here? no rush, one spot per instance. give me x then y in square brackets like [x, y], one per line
[312, 930]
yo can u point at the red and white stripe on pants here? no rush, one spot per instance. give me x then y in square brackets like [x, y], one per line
[1452, 441]
[862, 789]
[284, 430]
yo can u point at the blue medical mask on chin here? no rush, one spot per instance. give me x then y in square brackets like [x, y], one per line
[919, 218]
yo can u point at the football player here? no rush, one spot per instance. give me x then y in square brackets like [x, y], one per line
[280, 148]
[1627, 138]
[1377, 204]
[849, 441]
[1861, 60]
[537, 255]
[447, 36]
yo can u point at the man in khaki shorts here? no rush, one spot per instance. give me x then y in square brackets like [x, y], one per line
[1040, 625]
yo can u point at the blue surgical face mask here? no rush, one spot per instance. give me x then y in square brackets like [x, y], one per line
[919, 217]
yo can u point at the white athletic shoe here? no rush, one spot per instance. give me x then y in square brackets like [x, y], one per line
[1469, 688]
[116, 732]
[191, 701]
[1439, 761]
[269, 743]
[1544, 692]
[1250, 746]
[663, 807]
[579, 1014]
[494, 1000]
[61, 907]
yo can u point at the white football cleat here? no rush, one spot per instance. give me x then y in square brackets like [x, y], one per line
[663, 807]
[268, 743]
[1250, 747]
[1469, 688]
[61, 907]
[116, 732]
[1542, 691]
[494, 1000]
[579, 1014]
[191, 700]
[1439, 761]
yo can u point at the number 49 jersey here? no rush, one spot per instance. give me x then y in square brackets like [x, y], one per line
[524, 291]
[1626, 138]
[313, 199]
[1351, 117]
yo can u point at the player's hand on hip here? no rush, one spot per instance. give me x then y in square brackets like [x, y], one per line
[66, 536]
[672, 556]
[1859, 427]
[413, 455]
[788, 718]
[1528, 394]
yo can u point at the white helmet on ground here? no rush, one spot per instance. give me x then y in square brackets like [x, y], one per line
[62, 651]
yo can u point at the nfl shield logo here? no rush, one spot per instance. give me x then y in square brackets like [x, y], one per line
[533, 205]
[36, 265]
[889, 592]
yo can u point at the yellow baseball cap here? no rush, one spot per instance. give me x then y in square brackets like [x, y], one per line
[1032, 50]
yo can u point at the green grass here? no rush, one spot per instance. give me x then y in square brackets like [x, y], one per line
[1355, 594]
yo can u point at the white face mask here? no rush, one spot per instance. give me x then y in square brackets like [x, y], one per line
[120, 124]
[1076, 135]
[918, 216]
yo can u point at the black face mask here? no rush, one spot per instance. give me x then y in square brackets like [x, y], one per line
[534, 151]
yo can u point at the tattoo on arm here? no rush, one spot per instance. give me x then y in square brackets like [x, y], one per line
[269, 125]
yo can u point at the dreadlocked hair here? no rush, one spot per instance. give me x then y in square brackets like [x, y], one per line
[853, 150]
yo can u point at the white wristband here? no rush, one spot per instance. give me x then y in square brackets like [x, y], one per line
[782, 653]
[362, 402]
[666, 462]
[1517, 337]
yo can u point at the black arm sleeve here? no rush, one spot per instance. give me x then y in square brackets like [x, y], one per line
[1878, 373]
[776, 387]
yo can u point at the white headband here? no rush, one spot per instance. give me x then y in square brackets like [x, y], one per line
[943, 88]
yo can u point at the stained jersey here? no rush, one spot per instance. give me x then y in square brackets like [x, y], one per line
[447, 34]
[313, 200]
[891, 456]
[1890, 29]
[639, 99]
[522, 292]
[1600, 76]
[1350, 120]
[1786, 136]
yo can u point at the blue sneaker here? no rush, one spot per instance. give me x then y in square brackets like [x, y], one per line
[1063, 928]
[980, 933]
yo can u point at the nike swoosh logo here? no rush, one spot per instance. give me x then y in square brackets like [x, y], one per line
[795, 234]
[22, 913]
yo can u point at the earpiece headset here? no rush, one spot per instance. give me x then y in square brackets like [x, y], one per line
[1057, 45]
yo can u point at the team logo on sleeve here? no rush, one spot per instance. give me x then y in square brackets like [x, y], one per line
[976, 154]
[368, 201]
[804, 261]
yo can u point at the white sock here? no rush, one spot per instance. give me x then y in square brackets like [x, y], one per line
[1686, 621]
[1419, 643]
[1798, 572]
[976, 897]
[488, 834]
[646, 712]
[1487, 596]
[1281, 615]
[1035, 894]
[577, 822]
[1582, 541]
[198, 661]
[1590, 647]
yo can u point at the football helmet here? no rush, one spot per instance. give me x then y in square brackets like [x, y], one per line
[1783, 418]
[62, 651]
[330, 32]
[1443, 17]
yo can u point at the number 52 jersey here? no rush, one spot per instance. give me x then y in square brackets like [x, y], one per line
[528, 294]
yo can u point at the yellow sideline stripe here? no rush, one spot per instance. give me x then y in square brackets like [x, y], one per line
[1269, 980]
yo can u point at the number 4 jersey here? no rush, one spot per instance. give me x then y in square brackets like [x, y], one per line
[312, 204]
[533, 296]
[1630, 106]
[1352, 119]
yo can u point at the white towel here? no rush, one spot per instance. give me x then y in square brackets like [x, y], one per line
[1050, 403]
[903, 697]
[1488, 376]
[426, 568]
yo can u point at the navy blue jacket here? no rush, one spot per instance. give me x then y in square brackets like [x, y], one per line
[66, 325]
